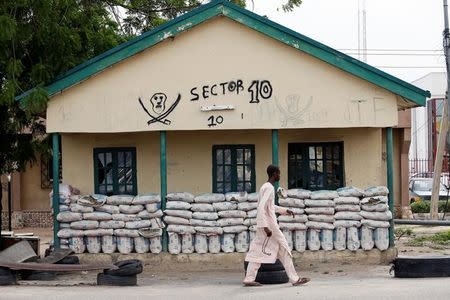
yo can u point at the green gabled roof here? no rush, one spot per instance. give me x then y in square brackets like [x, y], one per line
[251, 20]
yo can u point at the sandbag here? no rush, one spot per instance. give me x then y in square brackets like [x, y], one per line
[132, 233]
[138, 224]
[348, 215]
[253, 227]
[125, 218]
[247, 206]
[319, 225]
[67, 233]
[156, 223]
[218, 206]
[125, 244]
[180, 229]
[353, 242]
[324, 194]
[299, 238]
[340, 240]
[146, 199]
[185, 197]
[375, 224]
[214, 244]
[97, 216]
[205, 215]
[299, 193]
[63, 208]
[253, 197]
[77, 245]
[367, 242]
[155, 245]
[313, 240]
[293, 219]
[374, 200]
[234, 229]
[233, 214]
[378, 216]
[141, 245]
[64, 225]
[147, 215]
[131, 209]
[347, 223]
[176, 220]
[292, 226]
[326, 239]
[252, 213]
[207, 223]
[381, 237]
[376, 191]
[119, 200]
[179, 213]
[320, 210]
[296, 210]
[208, 230]
[230, 221]
[187, 242]
[249, 222]
[88, 224]
[227, 243]
[377, 207]
[201, 243]
[319, 203]
[288, 236]
[241, 242]
[202, 207]
[98, 232]
[236, 196]
[346, 201]
[321, 218]
[74, 207]
[154, 207]
[348, 207]
[291, 202]
[68, 216]
[112, 224]
[111, 209]
[209, 198]
[174, 243]
[350, 191]
[109, 244]
[94, 244]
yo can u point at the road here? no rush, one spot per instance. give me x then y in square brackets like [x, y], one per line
[328, 282]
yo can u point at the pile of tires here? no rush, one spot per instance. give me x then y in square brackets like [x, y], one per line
[270, 273]
[7, 277]
[422, 266]
[48, 275]
[125, 275]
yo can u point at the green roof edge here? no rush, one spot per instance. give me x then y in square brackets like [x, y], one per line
[249, 19]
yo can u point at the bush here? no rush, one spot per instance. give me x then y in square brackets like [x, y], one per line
[424, 207]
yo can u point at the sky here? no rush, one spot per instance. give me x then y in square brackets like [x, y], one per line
[401, 27]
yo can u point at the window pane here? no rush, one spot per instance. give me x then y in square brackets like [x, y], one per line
[102, 189]
[240, 173]
[120, 159]
[228, 187]
[312, 153]
[248, 187]
[319, 152]
[128, 161]
[219, 156]
[121, 189]
[129, 176]
[228, 173]
[248, 174]
[319, 165]
[109, 190]
[219, 187]
[336, 152]
[312, 165]
[240, 156]
[227, 153]
[329, 152]
[219, 176]
[240, 187]
[248, 156]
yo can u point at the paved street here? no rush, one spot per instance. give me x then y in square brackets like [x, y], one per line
[343, 282]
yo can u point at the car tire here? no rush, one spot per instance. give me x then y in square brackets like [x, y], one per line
[273, 277]
[277, 266]
[69, 260]
[126, 268]
[420, 267]
[9, 279]
[105, 279]
[37, 275]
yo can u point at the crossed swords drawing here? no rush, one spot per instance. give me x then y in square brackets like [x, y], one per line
[161, 118]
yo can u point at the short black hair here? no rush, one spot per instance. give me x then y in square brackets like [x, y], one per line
[272, 170]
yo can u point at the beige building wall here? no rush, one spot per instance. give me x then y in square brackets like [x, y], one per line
[32, 196]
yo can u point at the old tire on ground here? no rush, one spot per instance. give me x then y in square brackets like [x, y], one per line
[126, 268]
[273, 277]
[105, 279]
[5, 271]
[7, 277]
[420, 267]
[37, 275]
[69, 260]
[277, 266]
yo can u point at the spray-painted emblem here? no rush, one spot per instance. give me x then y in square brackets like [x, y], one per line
[157, 103]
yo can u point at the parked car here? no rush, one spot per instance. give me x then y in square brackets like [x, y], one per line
[445, 179]
[420, 188]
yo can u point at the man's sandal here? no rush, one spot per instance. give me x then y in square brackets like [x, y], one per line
[301, 281]
[251, 284]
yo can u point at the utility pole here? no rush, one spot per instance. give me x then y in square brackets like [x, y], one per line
[444, 124]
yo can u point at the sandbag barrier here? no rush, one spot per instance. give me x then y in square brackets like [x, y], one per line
[348, 218]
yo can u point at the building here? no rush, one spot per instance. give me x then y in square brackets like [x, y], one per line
[206, 101]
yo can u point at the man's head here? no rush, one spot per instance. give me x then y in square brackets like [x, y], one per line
[274, 173]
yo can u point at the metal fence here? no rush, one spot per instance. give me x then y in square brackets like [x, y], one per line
[424, 167]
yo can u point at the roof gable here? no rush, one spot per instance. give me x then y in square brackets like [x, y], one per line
[251, 20]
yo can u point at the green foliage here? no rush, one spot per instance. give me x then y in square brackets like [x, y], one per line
[402, 231]
[440, 239]
[424, 206]
[291, 4]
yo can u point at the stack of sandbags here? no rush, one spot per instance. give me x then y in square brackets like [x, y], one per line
[348, 219]
[294, 228]
[251, 214]
[376, 216]
[241, 238]
[320, 211]
[178, 217]
[207, 229]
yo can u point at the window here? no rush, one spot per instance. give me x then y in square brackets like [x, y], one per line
[115, 171]
[47, 170]
[234, 168]
[315, 166]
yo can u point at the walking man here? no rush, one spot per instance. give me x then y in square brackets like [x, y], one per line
[270, 243]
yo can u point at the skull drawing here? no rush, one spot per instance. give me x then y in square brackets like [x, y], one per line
[158, 102]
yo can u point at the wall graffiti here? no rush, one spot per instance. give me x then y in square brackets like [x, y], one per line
[293, 110]
[214, 121]
[158, 106]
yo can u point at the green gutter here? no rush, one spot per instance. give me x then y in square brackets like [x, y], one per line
[55, 199]
[163, 179]
[275, 160]
[390, 179]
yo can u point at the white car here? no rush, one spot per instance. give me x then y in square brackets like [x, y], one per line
[420, 188]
